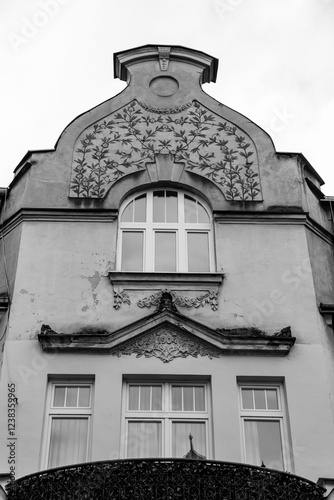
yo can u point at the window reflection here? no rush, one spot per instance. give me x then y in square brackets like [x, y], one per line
[132, 251]
[165, 252]
[198, 252]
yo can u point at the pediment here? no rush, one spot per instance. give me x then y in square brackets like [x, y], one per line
[167, 334]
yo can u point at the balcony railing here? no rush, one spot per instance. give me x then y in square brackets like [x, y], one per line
[163, 479]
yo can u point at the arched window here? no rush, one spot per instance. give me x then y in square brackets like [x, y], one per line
[164, 230]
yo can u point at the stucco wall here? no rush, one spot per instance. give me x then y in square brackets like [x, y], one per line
[310, 418]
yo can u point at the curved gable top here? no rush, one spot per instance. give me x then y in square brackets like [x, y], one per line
[165, 53]
[163, 111]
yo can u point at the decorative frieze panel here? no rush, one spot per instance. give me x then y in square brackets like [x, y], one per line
[167, 345]
[123, 142]
[187, 290]
[210, 298]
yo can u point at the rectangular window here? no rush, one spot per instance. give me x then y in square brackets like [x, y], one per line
[165, 251]
[132, 250]
[68, 425]
[198, 252]
[162, 418]
[263, 425]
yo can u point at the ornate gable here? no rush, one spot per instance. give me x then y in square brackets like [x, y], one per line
[167, 334]
[124, 141]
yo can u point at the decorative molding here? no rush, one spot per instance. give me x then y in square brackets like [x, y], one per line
[164, 479]
[207, 64]
[164, 54]
[210, 298]
[251, 332]
[327, 311]
[58, 215]
[205, 285]
[167, 345]
[177, 336]
[165, 111]
[154, 280]
[4, 303]
[124, 141]
[120, 297]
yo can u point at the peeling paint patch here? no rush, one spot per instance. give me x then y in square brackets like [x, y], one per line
[94, 280]
[23, 291]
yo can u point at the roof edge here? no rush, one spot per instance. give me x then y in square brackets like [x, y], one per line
[143, 53]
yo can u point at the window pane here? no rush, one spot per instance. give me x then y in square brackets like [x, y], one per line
[272, 400]
[181, 441]
[72, 396]
[260, 400]
[171, 206]
[127, 215]
[156, 398]
[68, 441]
[144, 440]
[176, 398]
[190, 212]
[140, 209]
[145, 392]
[188, 399]
[202, 214]
[247, 399]
[264, 443]
[134, 397]
[84, 397]
[198, 252]
[165, 251]
[59, 396]
[132, 251]
[159, 206]
[199, 399]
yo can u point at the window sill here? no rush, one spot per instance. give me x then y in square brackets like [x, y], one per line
[139, 279]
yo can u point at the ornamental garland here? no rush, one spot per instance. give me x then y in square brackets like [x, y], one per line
[123, 142]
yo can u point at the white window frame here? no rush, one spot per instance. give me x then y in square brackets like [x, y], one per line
[54, 412]
[274, 415]
[181, 228]
[166, 415]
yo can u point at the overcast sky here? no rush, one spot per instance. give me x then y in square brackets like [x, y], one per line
[276, 65]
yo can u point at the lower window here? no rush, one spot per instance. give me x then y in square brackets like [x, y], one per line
[69, 419]
[263, 425]
[166, 420]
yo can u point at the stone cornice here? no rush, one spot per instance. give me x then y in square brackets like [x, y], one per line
[144, 281]
[279, 218]
[327, 311]
[144, 53]
[4, 303]
[58, 215]
[187, 338]
[257, 217]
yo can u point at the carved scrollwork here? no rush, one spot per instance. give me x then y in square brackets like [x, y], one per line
[120, 297]
[167, 345]
[210, 298]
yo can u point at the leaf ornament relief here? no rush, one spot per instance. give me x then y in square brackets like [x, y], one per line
[123, 142]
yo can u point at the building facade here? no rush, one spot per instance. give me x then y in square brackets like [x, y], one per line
[167, 292]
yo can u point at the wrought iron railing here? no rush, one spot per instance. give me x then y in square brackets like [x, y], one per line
[163, 479]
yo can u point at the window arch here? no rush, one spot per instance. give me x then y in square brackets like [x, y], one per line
[165, 230]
